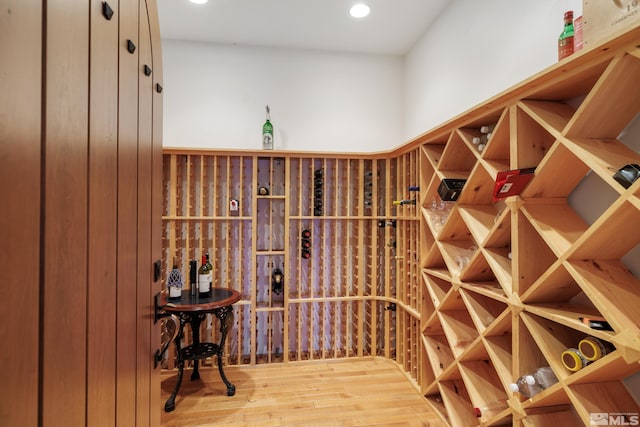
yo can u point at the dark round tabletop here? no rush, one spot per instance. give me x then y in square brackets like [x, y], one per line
[219, 297]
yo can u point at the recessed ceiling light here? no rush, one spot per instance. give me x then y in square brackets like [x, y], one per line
[359, 10]
[199, 1]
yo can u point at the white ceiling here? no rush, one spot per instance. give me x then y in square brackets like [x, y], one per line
[392, 28]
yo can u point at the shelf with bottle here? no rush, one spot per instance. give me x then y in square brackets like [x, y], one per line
[558, 297]
[486, 392]
[612, 288]
[271, 282]
[488, 136]
[270, 173]
[560, 346]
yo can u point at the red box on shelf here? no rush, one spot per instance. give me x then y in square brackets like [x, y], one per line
[511, 183]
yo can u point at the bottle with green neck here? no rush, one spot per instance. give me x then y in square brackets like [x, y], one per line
[267, 132]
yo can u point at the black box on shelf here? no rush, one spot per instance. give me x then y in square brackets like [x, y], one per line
[627, 174]
[450, 189]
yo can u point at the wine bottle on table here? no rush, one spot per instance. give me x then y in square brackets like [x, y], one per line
[204, 281]
[174, 282]
[210, 267]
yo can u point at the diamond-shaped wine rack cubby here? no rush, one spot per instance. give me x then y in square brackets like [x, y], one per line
[512, 284]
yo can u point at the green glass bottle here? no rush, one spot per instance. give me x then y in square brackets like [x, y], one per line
[565, 41]
[267, 132]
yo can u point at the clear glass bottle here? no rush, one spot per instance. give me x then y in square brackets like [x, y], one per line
[565, 41]
[267, 132]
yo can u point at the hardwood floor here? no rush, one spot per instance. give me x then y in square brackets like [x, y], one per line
[350, 392]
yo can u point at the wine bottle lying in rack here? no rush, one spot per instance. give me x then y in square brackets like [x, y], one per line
[404, 202]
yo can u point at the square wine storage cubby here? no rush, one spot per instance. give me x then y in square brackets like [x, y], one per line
[468, 289]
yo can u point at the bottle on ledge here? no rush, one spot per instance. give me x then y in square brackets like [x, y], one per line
[404, 202]
[267, 132]
[565, 41]
[414, 188]
[210, 268]
[204, 285]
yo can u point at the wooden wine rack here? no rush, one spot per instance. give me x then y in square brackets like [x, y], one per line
[337, 302]
[466, 296]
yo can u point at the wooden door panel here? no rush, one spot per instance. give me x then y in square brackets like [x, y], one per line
[64, 326]
[127, 214]
[20, 159]
[103, 197]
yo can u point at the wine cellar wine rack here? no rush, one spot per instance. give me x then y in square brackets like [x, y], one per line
[467, 295]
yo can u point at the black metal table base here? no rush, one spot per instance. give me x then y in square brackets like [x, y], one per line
[199, 351]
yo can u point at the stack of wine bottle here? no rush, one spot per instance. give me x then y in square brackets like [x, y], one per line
[480, 142]
[318, 192]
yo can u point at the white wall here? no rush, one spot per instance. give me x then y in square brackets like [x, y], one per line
[475, 50]
[215, 97]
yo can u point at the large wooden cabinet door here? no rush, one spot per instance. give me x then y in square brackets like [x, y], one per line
[80, 136]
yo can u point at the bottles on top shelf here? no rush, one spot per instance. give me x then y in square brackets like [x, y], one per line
[481, 141]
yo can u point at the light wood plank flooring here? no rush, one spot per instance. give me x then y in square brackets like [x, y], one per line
[351, 392]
